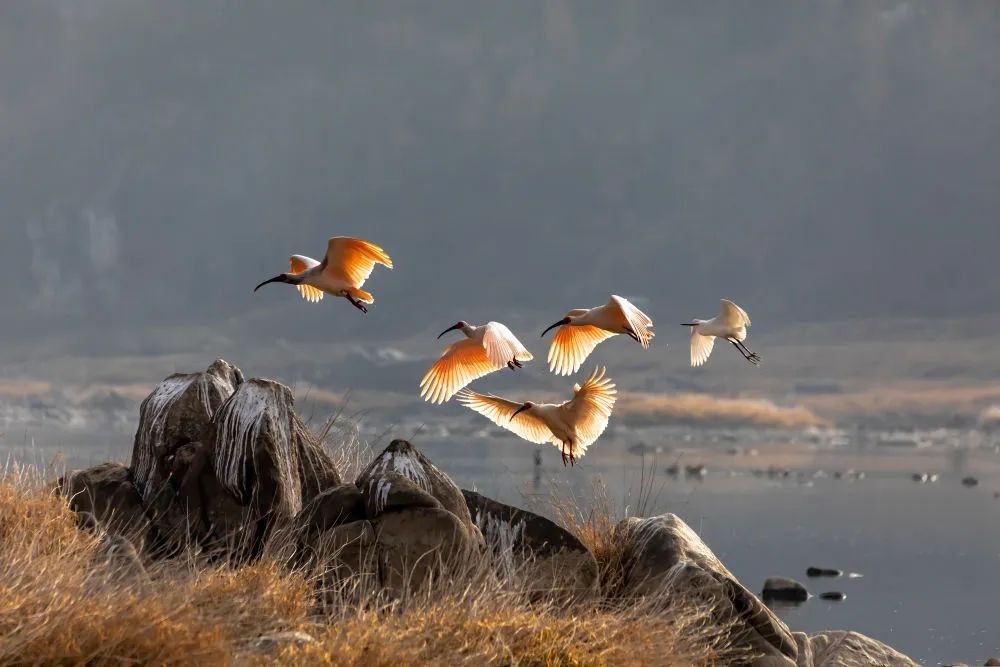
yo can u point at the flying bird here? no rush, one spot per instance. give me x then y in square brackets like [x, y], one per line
[345, 268]
[486, 348]
[571, 426]
[731, 323]
[582, 329]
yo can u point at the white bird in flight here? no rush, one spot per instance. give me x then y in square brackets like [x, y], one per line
[486, 348]
[731, 323]
[571, 426]
[582, 329]
[345, 268]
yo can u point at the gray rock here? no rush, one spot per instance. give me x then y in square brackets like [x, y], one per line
[416, 546]
[403, 459]
[533, 551]
[339, 504]
[663, 553]
[969, 481]
[823, 572]
[106, 493]
[118, 555]
[784, 589]
[835, 596]
[851, 649]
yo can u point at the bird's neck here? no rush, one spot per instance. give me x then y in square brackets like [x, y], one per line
[469, 330]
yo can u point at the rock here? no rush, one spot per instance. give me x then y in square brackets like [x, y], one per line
[992, 662]
[335, 506]
[823, 572]
[851, 649]
[662, 553]
[969, 481]
[920, 477]
[178, 411]
[417, 545]
[106, 493]
[121, 559]
[532, 550]
[833, 595]
[274, 643]
[404, 459]
[348, 550]
[422, 524]
[783, 589]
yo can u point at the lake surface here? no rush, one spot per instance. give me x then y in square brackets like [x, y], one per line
[929, 553]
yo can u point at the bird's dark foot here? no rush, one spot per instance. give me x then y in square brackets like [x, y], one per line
[357, 304]
[565, 458]
[572, 460]
[510, 365]
[517, 363]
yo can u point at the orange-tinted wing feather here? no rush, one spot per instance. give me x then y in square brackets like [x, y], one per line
[572, 345]
[590, 409]
[298, 264]
[352, 260]
[462, 362]
[499, 411]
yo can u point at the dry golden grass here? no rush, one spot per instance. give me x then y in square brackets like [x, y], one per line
[61, 603]
[697, 409]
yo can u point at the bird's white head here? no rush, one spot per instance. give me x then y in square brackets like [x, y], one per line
[527, 406]
[461, 324]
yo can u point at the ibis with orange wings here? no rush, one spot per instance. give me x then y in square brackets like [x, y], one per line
[346, 266]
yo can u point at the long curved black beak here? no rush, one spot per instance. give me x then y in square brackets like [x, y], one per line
[519, 411]
[276, 279]
[561, 322]
[452, 328]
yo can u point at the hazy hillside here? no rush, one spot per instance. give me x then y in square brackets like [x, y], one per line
[813, 160]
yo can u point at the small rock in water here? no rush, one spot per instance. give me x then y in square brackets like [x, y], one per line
[784, 589]
[970, 481]
[920, 477]
[695, 470]
[833, 595]
[996, 495]
[823, 572]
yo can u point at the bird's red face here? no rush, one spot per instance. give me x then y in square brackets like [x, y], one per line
[527, 405]
[458, 325]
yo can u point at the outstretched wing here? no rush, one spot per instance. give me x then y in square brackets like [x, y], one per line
[462, 362]
[701, 347]
[298, 264]
[499, 411]
[638, 321]
[590, 408]
[732, 315]
[352, 260]
[502, 345]
[572, 345]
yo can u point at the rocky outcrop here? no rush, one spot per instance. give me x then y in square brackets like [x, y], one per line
[663, 553]
[422, 524]
[851, 649]
[532, 552]
[105, 497]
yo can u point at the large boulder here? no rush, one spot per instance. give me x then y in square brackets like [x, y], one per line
[403, 459]
[841, 648]
[335, 539]
[532, 551]
[266, 462]
[177, 412]
[106, 497]
[783, 589]
[663, 555]
[421, 522]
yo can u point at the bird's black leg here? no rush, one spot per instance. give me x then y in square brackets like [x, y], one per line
[357, 304]
[517, 363]
[510, 365]
[749, 356]
[563, 451]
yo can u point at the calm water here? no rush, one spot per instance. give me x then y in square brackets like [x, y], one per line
[929, 553]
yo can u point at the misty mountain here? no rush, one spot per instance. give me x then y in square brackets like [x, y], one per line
[813, 161]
